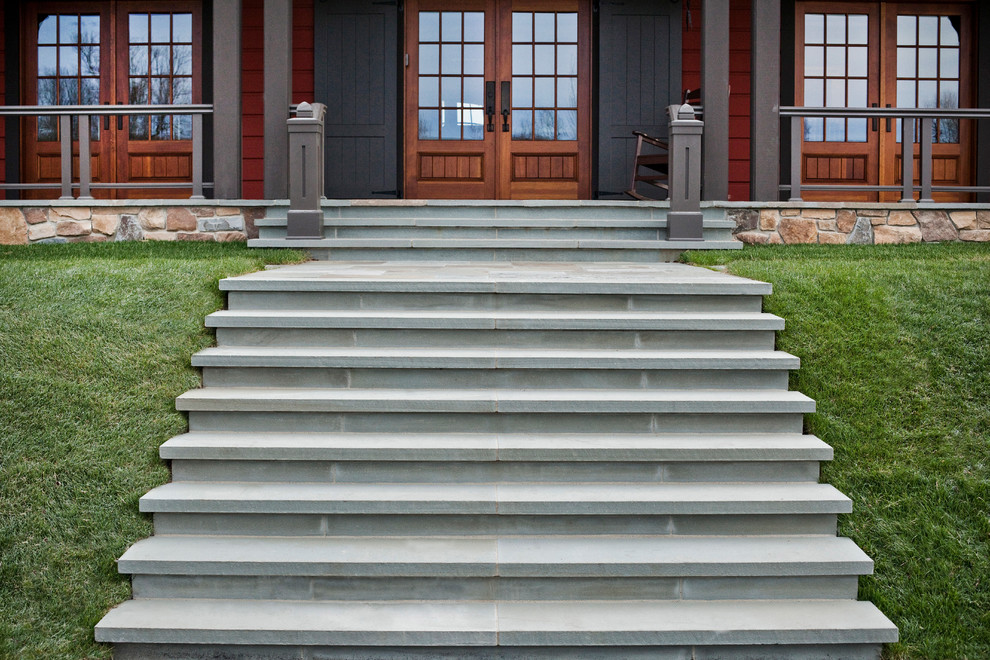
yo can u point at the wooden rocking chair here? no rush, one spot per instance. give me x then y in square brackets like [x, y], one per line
[650, 168]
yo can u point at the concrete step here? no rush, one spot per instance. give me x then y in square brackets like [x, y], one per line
[345, 524]
[526, 556]
[512, 498]
[499, 368]
[452, 447]
[490, 624]
[494, 249]
[506, 568]
[466, 286]
[247, 399]
[366, 458]
[495, 328]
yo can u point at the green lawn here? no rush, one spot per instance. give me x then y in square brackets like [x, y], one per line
[95, 342]
[895, 347]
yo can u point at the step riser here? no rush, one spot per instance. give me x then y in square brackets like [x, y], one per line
[606, 587]
[348, 300]
[242, 524]
[473, 379]
[492, 255]
[561, 339]
[509, 233]
[674, 652]
[479, 472]
[275, 422]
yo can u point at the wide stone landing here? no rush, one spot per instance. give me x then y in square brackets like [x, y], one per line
[502, 460]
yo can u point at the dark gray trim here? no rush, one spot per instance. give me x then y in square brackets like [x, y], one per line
[12, 94]
[715, 98]
[206, 76]
[764, 150]
[278, 95]
[227, 98]
[982, 98]
[786, 85]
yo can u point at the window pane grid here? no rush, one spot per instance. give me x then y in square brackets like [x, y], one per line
[160, 73]
[544, 68]
[928, 70]
[836, 67]
[451, 75]
[68, 69]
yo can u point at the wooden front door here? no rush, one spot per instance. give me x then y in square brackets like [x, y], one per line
[113, 53]
[855, 54]
[498, 100]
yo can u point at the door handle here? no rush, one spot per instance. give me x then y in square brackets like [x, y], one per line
[490, 104]
[888, 121]
[106, 118]
[875, 123]
[506, 104]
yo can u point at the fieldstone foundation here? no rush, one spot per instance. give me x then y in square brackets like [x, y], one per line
[77, 224]
[865, 226]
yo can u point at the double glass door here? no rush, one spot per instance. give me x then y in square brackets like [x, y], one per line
[497, 99]
[861, 55]
[113, 53]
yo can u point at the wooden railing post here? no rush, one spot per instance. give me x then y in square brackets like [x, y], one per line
[926, 160]
[65, 138]
[684, 221]
[84, 165]
[305, 215]
[907, 159]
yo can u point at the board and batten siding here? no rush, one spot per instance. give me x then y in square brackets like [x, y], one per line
[639, 75]
[360, 89]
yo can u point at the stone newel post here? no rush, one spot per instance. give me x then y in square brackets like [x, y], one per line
[305, 216]
[684, 222]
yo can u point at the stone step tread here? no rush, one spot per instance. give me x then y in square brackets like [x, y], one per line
[516, 223]
[493, 400]
[507, 498]
[495, 319]
[491, 358]
[497, 243]
[491, 446]
[504, 623]
[497, 277]
[506, 556]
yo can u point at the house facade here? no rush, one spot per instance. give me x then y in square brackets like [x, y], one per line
[491, 99]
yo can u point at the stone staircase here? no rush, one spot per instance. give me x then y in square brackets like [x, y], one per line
[530, 230]
[467, 460]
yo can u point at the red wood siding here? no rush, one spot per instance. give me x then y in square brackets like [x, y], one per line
[739, 67]
[303, 16]
[252, 105]
[253, 84]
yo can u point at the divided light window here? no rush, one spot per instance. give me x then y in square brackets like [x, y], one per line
[928, 69]
[68, 68]
[160, 72]
[451, 75]
[836, 67]
[544, 75]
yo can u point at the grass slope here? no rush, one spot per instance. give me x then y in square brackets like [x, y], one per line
[94, 347]
[895, 347]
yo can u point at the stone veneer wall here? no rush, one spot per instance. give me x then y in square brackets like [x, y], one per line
[864, 226]
[23, 225]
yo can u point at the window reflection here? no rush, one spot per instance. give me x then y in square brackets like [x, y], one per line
[68, 68]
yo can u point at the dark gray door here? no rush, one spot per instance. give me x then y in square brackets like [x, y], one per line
[356, 53]
[639, 75]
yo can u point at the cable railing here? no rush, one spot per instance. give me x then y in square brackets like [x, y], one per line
[910, 117]
[85, 115]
